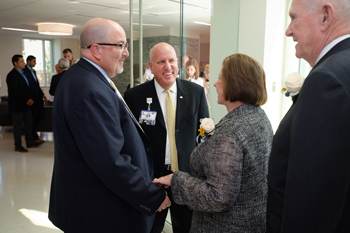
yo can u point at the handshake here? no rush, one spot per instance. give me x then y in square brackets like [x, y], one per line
[166, 181]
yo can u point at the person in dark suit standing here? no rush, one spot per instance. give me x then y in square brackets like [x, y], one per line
[20, 102]
[309, 175]
[102, 176]
[63, 64]
[190, 105]
[38, 96]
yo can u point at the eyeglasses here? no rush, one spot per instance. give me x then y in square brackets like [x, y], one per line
[122, 46]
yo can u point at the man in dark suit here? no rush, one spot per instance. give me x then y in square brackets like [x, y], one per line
[309, 175]
[102, 177]
[20, 102]
[63, 64]
[37, 94]
[191, 106]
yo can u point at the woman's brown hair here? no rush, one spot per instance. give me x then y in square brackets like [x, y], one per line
[243, 80]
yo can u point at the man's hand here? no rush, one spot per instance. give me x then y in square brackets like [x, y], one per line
[164, 180]
[166, 203]
[30, 102]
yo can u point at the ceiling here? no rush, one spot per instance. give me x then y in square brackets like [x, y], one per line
[26, 14]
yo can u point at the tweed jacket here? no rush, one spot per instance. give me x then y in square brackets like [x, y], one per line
[228, 189]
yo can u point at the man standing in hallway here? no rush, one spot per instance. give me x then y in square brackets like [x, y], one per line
[67, 53]
[20, 102]
[102, 177]
[309, 175]
[38, 95]
[190, 105]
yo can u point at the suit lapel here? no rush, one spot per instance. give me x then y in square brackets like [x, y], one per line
[181, 101]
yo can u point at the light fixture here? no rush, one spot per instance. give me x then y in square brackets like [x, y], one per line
[57, 29]
[207, 24]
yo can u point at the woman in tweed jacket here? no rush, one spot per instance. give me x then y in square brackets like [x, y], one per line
[228, 187]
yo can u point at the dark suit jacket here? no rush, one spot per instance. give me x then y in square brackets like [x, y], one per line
[18, 91]
[54, 82]
[191, 106]
[35, 89]
[309, 166]
[102, 177]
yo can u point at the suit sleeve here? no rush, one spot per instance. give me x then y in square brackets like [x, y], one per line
[53, 86]
[318, 174]
[203, 107]
[105, 128]
[14, 87]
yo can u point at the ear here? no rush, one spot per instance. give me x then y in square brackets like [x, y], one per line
[150, 66]
[95, 51]
[327, 16]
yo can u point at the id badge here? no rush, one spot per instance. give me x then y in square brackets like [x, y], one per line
[148, 117]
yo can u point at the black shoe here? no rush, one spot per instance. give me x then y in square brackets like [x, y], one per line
[34, 144]
[21, 149]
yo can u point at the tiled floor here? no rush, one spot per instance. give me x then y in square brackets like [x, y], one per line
[25, 186]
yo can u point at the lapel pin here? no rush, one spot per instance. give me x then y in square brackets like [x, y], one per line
[181, 97]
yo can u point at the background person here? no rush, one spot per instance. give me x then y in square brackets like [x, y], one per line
[192, 72]
[136, 68]
[102, 177]
[309, 175]
[19, 103]
[67, 53]
[189, 103]
[38, 96]
[63, 65]
[228, 188]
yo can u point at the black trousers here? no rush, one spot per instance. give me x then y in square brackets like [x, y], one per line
[38, 115]
[181, 215]
[27, 119]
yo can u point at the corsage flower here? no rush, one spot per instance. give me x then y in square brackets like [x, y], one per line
[292, 84]
[207, 128]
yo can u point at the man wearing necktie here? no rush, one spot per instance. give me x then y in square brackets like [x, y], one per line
[179, 105]
[20, 102]
[103, 169]
[37, 94]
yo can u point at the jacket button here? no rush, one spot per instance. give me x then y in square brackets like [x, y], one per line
[148, 150]
[152, 174]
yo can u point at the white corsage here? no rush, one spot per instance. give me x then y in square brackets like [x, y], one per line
[292, 84]
[207, 128]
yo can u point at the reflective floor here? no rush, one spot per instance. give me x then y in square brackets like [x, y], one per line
[25, 186]
[25, 180]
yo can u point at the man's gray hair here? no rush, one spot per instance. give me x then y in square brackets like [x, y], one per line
[63, 63]
[342, 7]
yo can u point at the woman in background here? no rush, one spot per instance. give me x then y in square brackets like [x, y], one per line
[228, 189]
[206, 81]
[192, 72]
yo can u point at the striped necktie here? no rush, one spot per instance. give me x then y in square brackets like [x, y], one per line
[171, 117]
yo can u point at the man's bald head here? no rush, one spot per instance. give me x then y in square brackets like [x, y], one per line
[97, 30]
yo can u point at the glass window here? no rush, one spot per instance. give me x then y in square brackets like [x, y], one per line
[42, 50]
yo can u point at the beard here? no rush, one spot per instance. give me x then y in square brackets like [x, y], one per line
[120, 70]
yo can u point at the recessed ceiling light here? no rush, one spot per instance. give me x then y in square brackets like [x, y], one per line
[18, 29]
[208, 24]
[145, 24]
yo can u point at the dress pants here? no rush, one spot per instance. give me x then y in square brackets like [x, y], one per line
[27, 119]
[38, 114]
[181, 215]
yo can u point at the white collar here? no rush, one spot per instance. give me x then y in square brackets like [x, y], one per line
[330, 46]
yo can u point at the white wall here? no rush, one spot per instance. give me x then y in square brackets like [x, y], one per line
[9, 46]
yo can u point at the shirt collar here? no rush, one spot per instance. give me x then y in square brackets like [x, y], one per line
[103, 72]
[330, 46]
[29, 68]
[160, 89]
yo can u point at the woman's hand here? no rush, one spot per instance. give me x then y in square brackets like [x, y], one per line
[164, 180]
